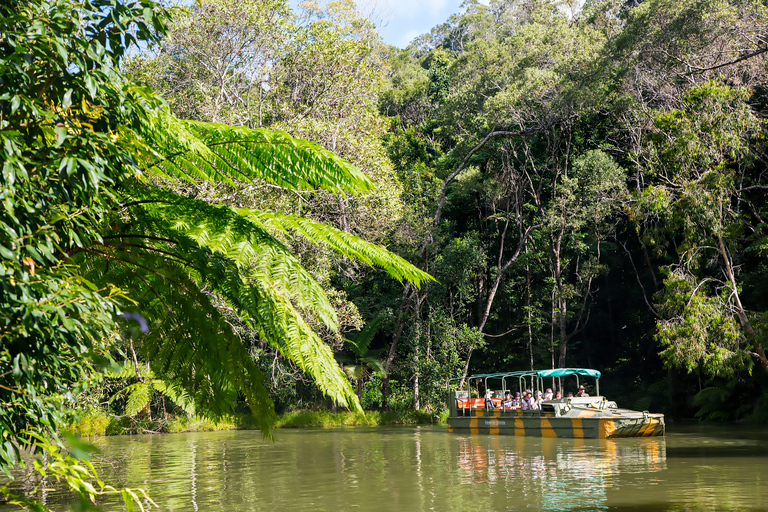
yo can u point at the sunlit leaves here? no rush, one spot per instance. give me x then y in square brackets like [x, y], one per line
[214, 152]
[698, 157]
[696, 331]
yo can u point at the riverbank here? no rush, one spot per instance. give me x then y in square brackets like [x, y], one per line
[97, 423]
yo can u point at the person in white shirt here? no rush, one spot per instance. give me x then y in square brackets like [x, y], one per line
[489, 399]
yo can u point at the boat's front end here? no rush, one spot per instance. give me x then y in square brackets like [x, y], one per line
[633, 424]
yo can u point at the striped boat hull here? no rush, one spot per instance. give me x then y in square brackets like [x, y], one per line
[584, 424]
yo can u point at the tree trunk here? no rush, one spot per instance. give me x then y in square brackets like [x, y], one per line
[416, 404]
[740, 311]
[563, 306]
[385, 390]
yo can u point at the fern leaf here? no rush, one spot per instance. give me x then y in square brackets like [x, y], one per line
[139, 396]
[177, 395]
[193, 150]
[283, 327]
[340, 241]
[248, 244]
[189, 344]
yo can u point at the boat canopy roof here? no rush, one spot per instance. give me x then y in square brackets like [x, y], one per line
[554, 372]
[564, 372]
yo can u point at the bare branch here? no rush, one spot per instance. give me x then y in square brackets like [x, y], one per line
[698, 70]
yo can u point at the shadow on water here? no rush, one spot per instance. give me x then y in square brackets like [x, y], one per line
[664, 507]
[717, 441]
[710, 452]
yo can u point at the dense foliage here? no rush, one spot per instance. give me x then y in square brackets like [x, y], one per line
[95, 238]
[603, 172]
[586, 184]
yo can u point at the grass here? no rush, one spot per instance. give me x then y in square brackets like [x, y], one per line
[324, 418]
[98, 423]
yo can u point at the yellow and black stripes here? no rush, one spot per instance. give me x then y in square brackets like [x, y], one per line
[516, 423]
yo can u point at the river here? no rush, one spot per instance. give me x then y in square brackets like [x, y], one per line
[427, 468]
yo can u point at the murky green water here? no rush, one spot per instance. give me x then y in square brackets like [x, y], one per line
[420, 469]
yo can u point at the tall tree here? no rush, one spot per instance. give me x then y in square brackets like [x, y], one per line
[702, 161]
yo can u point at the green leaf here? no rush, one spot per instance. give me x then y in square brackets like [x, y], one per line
[66, 102]
[91, 85]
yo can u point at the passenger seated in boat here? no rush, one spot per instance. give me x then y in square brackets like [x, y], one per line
[558, 395]
[489, 399]
[507, 402]
[581, 392]
[570, 395]
[528, 401]
[548, 394]
[516, 400]
[536, 403]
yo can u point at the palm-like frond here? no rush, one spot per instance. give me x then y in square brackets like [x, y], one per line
[189, 343]
[177, 396]
[193, 150]
[262, 301]
[363, 339]
[247, 244]
[281, 324]
[174, 247]
[139, 397]
[127, 370]
[341, 242]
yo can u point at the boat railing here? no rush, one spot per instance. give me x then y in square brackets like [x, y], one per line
[462, 404]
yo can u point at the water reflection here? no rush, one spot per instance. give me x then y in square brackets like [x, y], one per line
[422, 469]
[557, 474]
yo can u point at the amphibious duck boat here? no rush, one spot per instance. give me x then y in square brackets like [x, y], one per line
[591, 417]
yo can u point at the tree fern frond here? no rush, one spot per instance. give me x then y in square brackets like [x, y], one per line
[123, 370]
[139, 396]
[281, 324]
[341, 242]
[177, 395]
[278, 158]
[246, 243]
[201, 361]
[214, 152]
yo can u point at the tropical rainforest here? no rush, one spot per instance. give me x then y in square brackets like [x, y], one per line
[234, 205]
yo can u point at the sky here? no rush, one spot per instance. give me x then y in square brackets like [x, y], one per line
[400, 21]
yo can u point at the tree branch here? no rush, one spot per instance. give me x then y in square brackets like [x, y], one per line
[722, 65]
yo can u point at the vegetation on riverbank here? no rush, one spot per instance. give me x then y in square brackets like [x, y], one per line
[98, 423]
